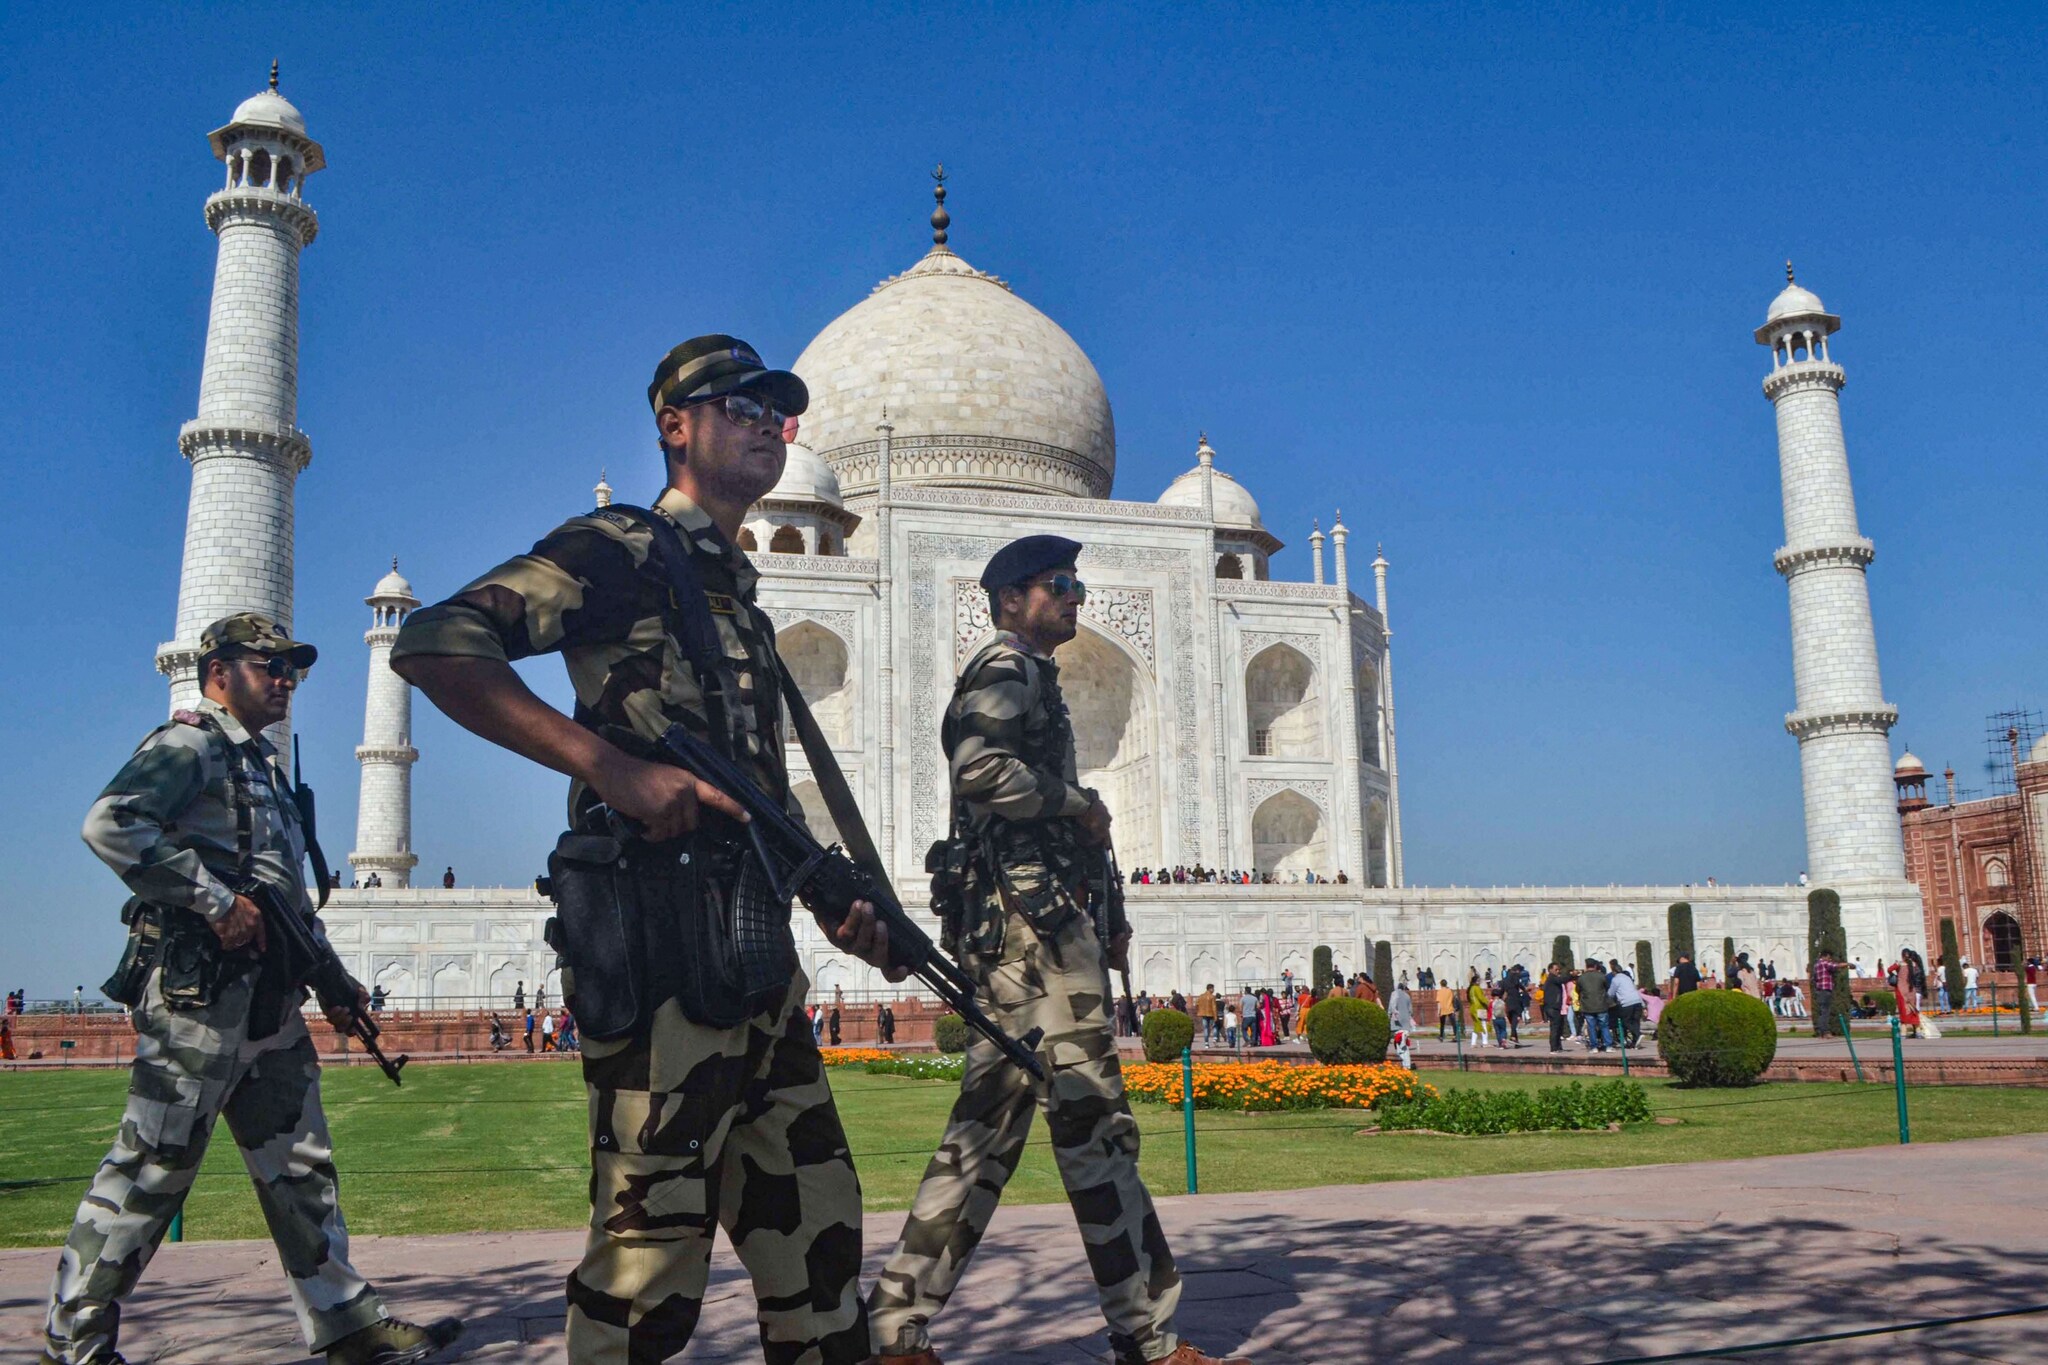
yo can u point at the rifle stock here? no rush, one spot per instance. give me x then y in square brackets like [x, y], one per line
[829, 882]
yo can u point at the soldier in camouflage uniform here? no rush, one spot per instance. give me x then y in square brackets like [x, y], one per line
[204, 798]
[691, 1127]
[1036, 954]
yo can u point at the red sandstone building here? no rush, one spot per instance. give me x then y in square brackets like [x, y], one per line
[1979, 863]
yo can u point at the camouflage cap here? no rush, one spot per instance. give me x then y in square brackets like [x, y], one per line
[254, 633]
[710, 366]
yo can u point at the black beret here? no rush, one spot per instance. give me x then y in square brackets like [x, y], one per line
[1027, 558]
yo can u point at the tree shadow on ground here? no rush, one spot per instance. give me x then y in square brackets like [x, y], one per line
[1456, 1282]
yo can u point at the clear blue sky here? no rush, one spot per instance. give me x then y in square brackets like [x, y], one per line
[1483, 278]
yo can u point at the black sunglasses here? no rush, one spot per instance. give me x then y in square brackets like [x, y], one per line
[745, 410]
[1063, 585]
[282, 670]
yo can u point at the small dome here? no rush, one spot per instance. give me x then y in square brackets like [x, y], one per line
[1234, 506]
[1794, 301]
[806, 478]
[268, 109]
[1909, 764]
[393, 584]
[2039, 753]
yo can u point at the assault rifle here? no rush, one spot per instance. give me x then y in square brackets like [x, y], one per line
[306, 961]
[829, 882]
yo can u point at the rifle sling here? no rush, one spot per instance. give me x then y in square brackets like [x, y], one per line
[846, 817]
[699, 638]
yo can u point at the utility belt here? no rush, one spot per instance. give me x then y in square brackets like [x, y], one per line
[638, 924]
[196, 968]
[979, 877]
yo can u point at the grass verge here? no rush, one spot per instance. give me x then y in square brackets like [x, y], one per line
[491, 1146]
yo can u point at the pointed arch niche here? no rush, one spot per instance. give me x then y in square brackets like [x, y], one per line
[1284, 711]
[818, 664]
[1289, 835]
[1109, 697]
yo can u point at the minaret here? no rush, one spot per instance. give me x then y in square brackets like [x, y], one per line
[1386, 700]
[603, 494]
[1315, 549]
[245, 448]
[384, 815]
[1205, 459]
[885, 564]
[1843, 723]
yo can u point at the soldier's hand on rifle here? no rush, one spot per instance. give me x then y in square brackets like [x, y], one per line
[864, 935]
[665, 799]
[1120, 951]
[241, 926]
[1095, 823]
[338, 1015]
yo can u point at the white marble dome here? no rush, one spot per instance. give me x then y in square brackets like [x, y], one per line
[1909, 764]
[393, 584]
[806, 478]
[984, 391]
[268, 109]
[1794, 301]
[1234, 505]
[2039, 753]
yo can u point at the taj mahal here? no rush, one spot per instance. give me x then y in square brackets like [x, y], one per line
[1229, 719]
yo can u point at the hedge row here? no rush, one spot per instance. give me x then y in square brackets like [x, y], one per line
[1573, 1106]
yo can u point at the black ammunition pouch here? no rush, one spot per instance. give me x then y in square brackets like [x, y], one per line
[1048, 905]
[638, 924]
[138, 955]
[946, 863]
[195, 967]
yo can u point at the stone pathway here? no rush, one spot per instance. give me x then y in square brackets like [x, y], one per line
[1568, 1266]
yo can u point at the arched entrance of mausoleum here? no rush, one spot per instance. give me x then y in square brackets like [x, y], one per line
[1109, 699]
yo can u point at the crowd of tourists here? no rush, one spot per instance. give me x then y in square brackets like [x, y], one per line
[1181, 875]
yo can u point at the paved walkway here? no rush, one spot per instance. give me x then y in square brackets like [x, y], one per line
[1570, 1266]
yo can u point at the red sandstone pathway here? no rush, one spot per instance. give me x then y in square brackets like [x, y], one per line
[1568, 1266]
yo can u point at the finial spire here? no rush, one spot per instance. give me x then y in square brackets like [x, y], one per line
[1788, 271]
[941, 220]
[394, 563]
[273, 74]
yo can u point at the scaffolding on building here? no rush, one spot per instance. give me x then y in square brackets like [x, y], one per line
[2009, 738]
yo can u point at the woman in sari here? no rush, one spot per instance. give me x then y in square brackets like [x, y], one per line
[1267, 1034]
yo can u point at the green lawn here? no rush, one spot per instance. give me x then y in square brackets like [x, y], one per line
[496, 1146]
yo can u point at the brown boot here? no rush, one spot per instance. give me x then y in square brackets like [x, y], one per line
[925, 1357]
[1187, 1353]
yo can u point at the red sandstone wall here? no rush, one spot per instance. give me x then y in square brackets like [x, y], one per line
[99, 1037]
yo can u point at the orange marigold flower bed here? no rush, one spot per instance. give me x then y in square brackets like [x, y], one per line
[854, 1056]
[1267, 1086]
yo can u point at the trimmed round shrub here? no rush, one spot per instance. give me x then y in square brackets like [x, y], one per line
[1345, 1032]
[1166, 1032]
[1717, 1038]
[949, 1033]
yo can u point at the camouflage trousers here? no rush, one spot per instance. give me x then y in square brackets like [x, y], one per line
[191, 1067]
[1061, 985]
[695, 1128]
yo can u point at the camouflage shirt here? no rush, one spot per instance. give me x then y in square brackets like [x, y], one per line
[591, 592]
[1009, 743]
[167, 823]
